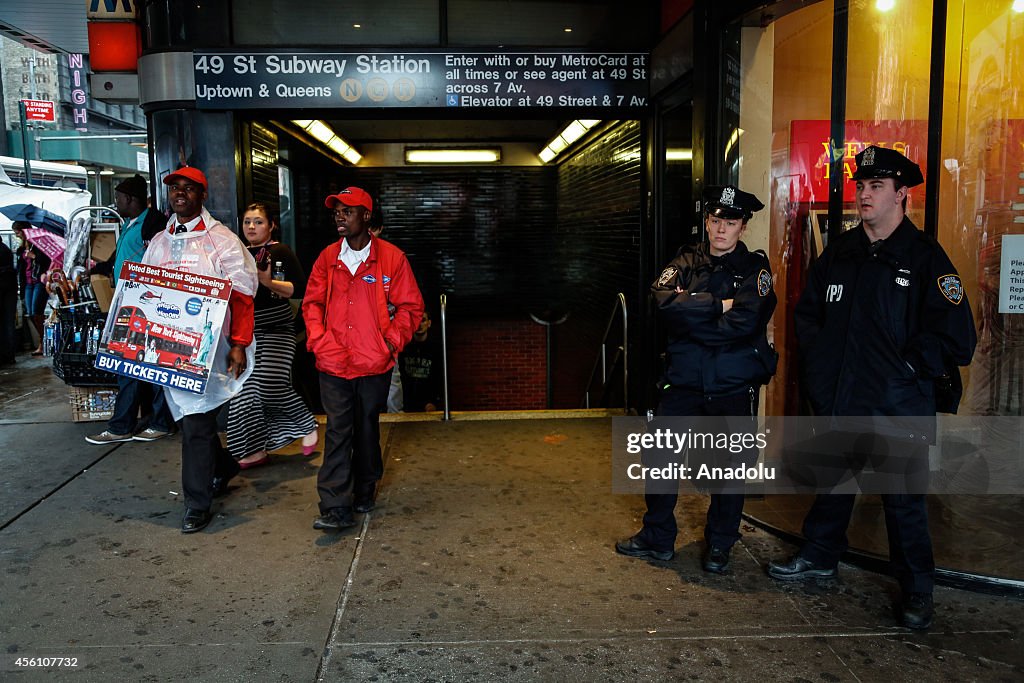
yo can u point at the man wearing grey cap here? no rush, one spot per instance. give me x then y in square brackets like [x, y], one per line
[141, 222]
[715, 301]
[883, 321]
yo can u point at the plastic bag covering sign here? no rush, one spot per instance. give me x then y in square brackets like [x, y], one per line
[164, 326]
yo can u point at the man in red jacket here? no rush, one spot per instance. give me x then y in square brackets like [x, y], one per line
[361, 308]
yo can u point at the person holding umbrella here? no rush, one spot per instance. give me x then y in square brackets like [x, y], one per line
[32, 266]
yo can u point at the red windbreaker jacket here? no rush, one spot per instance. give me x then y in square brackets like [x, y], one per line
[347, 320]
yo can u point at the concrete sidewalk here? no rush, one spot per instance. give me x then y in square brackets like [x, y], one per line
[489, 557]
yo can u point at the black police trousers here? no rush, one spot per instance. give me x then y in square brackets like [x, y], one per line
[721, 529]
[906, 525]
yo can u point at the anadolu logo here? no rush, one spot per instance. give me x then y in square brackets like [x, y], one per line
[193, 306]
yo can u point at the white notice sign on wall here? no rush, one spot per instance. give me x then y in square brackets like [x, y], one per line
[1011, 275]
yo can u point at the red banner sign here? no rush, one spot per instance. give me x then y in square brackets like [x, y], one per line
[809, 155]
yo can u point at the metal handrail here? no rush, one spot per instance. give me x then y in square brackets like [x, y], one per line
[602, 361]
[444, 355]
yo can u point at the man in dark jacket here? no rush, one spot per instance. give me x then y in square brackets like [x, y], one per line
[883, 317]
[141, 224]
[715, 301]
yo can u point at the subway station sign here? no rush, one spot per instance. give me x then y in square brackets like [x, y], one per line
[458, 80]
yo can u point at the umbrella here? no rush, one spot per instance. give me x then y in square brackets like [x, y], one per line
[48, 243]
[32, 214]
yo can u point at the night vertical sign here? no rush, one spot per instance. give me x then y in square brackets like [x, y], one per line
[76, 67]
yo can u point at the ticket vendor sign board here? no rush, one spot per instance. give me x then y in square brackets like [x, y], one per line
[164, 326]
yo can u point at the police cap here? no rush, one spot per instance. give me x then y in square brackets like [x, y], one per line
[730, 202]
[882, 162]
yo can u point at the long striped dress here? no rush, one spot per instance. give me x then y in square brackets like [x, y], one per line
[267, 414]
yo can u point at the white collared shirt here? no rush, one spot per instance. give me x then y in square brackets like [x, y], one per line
[352, 258]
[191, 225]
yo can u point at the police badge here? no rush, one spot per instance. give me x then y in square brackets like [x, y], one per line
[728, 196]
[951, 288]
[869, 157]
[764, 282]
[667, 276]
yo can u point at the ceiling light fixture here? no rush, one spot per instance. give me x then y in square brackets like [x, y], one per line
[678, 154]
[884, 5]
[1018, 6]
[325, 135]
[570, 134]
[436, 155]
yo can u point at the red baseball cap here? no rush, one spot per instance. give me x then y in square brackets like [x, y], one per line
[350, 196]
[188, 173]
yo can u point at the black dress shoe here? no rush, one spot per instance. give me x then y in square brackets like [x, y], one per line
[917, 611]
[364, 498]
[335, 519]
[715, 560]
[798, 569]
[195, 520]
[635, 546]
[219, 485]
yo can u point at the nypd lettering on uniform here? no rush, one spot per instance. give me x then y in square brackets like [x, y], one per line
[833, 293]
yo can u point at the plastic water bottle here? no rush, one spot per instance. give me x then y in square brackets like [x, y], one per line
[277, 274]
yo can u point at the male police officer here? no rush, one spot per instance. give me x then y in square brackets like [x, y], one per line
[715, 300]
[882, 318]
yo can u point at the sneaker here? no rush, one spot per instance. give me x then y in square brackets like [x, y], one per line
[150, 434]
[108, 437]
[335, 519]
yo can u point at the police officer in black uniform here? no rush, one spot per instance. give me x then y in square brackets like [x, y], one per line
[715, 301]
[882, 320]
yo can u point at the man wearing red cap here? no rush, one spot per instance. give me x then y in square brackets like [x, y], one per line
[196, 242]
[361, 308]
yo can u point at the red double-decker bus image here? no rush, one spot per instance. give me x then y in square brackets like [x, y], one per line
[137, 338]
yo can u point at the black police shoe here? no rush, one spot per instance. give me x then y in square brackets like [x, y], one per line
[799, 569]
[195, 520]
[917, 611]
[635, 546]
[335, 519]
[715, 560]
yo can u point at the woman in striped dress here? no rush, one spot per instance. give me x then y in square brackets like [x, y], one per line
[267, 414]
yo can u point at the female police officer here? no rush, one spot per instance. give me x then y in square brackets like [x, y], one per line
[715, 301]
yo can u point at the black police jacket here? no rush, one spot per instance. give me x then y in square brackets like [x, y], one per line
[709, 351]
[877, 326]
